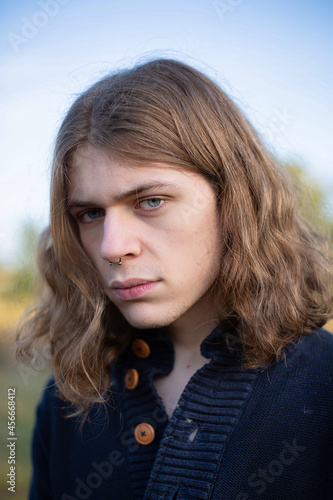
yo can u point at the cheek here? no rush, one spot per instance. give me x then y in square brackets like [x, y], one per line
[207, 246]
[91, 246]
[193, 251]
[203, 233]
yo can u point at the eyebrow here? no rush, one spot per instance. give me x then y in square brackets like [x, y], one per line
[135, 192]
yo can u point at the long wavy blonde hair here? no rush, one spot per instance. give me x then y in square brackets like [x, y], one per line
[275, 273]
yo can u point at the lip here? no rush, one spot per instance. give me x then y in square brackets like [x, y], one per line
[132, 288]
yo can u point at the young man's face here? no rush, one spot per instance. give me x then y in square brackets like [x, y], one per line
[162, 223]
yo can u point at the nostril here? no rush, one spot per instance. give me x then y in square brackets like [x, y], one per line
[193, 434]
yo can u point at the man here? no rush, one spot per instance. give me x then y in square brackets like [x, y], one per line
[184, 294]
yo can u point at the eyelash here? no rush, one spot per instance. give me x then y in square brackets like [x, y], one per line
[81, 216]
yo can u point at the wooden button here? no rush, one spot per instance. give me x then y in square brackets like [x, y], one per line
[131, 379]
[144, 433]
[141, 348]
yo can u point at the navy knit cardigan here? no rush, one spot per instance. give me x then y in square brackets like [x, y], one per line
[235, 434]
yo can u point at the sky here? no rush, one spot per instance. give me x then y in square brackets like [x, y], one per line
[272, 57]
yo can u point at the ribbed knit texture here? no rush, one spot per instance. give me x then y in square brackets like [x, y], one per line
[210, 405]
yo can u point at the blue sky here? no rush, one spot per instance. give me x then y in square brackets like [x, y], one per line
[272, 57]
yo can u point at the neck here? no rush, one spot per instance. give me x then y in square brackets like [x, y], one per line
[188, 332]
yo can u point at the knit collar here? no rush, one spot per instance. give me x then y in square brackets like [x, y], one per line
[220, 343]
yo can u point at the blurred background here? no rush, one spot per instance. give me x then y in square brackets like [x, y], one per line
[272, 57]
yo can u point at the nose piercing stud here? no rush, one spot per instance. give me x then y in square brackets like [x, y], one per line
[119, 263]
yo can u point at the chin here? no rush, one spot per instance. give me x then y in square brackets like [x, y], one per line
[146, 320]
[146, 323]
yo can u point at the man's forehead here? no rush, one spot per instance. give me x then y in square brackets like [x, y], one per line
[89, 153]
[90, 157]
[95, 177]
[89, 163]
[93, 174]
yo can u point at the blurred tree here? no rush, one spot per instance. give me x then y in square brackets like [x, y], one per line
[311, 200]
[18, 286]
[25, 276]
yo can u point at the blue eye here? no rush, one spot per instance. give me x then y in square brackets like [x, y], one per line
[154, 202]
[151, 204]
[90, 215]
[93, 214]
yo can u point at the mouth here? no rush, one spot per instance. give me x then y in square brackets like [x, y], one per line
[132, 288]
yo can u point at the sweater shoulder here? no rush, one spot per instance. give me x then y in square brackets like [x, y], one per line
[308, 362]
[51, 406]
[316, 349]
[50, 391]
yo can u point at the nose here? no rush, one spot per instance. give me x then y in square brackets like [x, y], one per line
[120, 238]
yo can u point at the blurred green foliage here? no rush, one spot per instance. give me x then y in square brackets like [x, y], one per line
[25, 276]
[311, 199]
